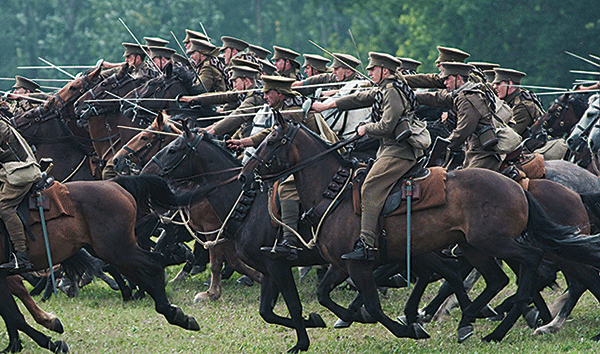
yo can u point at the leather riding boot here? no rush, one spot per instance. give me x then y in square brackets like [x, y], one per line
[19, 261]
[288, 247]
[364, 248]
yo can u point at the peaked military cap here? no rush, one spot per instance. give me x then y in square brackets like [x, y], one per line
[244, 62]
[155, 42]
[286, 54]
[189, 34]
[267, 67]
[451, 55]
[483, 66]
[230, 42]
[508, 75]
[278, 83]
[244, 71]
[202, 46]
[409, 64]
[259, 51]
[384, 60]
[25, 83]
[454, 69]
[161, 52]
[316, 61]
[132, 48]
[346, 58]
[489, 75]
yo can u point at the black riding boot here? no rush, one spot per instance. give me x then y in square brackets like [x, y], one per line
[19, 261]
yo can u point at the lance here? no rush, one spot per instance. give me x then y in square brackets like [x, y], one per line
[189, 61]
[584, 72]
[582, 82]
[540, 87]
[569, 91]
[33, 67]
[40, 80]
[582, 58]
[204, 31]
[356, 48]
[248, 114]
[24, 97]
[141, 46]
[342, 61]
[130, 102]
[146, 130]
[594, 57]
[57, 68]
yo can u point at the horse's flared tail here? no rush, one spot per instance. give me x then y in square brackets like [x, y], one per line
[565, 241]
[152, 190]
[592, 206]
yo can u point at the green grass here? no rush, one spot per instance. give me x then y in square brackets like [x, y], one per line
[97, 321]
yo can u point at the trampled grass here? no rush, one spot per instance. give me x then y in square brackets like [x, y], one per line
[97, 321]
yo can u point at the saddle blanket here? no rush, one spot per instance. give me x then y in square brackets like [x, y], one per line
[57, 203]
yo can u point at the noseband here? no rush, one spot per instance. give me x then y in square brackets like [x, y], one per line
[191, 149]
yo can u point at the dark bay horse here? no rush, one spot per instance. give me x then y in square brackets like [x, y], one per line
[484, 213]
[103, 221]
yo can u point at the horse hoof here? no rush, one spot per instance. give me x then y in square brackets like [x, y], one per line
[57, 326]
[419, 332]
[487, 312]
[532, 317]
[60, 347]
[181, 276]
[192, 324]
[497, 318]
[492, 337]
[315, 321]
[203, 296]
[245, 280]
[297, 348]
[342, 324]
[464, 333]
[14, 346]
[402, 320]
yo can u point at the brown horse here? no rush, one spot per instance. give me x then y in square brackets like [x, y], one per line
[484, 213]
[104, 215]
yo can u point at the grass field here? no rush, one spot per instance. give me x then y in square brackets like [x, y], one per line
[97, 321]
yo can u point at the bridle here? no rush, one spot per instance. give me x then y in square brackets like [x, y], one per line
[142, 153]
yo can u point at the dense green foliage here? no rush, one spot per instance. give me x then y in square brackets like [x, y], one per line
[526, 35]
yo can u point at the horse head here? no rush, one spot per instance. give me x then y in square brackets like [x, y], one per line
[594, 109]
[139, 149]
[578, 138]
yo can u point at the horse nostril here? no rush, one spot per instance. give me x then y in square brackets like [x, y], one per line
[242, 179]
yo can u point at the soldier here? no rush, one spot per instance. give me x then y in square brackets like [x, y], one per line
[156, 42]
[231, 48]
[286, 63]
[480, 69]
[315, 64]
[189, 34]
[409, 66]
[279, 95]
[25, 87]
[525, 105]
[134, 56]
[393, 104]
[474, 114]
[446, 54]
[15, 157]
[343, 69]
[258, 51]
[210, 71]
[161, 56]
[243, 78]
[267, 67]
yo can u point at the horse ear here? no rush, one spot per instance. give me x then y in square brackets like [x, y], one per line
[186, 128]
[124, 69]
[160, 119]
[279, 118]
[169, 69]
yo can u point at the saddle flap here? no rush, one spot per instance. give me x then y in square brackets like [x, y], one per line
[35, 202]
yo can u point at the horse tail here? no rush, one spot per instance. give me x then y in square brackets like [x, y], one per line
[152, 190]
[592, 206]
[565, 241]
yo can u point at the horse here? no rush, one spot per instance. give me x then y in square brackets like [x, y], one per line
[591, 115]
[484, 212]
[103, 220]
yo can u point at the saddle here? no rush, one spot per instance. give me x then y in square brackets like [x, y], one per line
[523, 168]
[428, 191]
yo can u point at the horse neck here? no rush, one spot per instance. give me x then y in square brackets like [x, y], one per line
[312, 180]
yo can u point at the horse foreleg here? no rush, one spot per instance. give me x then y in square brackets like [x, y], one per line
[216, 263]
[48, 320]
[331, 280]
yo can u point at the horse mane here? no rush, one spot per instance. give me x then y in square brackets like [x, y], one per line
[187, 78]
[579, 103]
[219, 145]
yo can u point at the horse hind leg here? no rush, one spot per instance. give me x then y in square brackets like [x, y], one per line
[48, 320]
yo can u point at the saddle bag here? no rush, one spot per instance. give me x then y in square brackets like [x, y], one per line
[420, 137]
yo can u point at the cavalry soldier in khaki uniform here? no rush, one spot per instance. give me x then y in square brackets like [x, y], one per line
[315, 64]
[340, 72]
[409, 66]
[155, 42]
[393, 104]
[286, 63]
[267, 67]
[15, 151]
[161, 56]
[258, 51]
[480, 69]
[25, 87]
[189, 34]
[134, 56]
[446, 54]
[279, 95]
[243, 78]
[523, 103]
[232, 48]
[474, 114]
[210, 70]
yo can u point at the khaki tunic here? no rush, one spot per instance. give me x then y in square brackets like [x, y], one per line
[473, 114]
[234, 122]
[525, 112]
[425, 81]
[212, 79]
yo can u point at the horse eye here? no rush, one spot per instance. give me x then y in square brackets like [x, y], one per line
[270, 142]
[144, 137]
